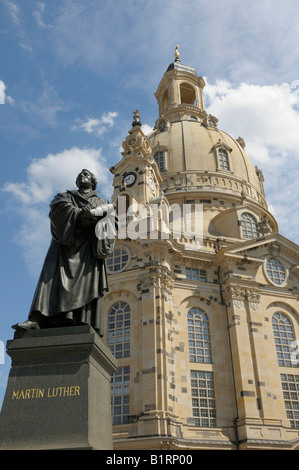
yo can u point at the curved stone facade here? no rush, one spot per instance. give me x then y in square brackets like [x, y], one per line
[198, 352]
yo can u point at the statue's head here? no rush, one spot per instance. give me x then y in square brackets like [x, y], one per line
[84, 176]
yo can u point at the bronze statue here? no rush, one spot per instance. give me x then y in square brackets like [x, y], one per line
[73, 279]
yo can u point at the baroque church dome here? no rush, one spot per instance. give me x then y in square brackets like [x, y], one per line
[193, 148]
[197, 159]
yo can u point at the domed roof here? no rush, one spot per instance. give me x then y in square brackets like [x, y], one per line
[192, 146]
[197, 154]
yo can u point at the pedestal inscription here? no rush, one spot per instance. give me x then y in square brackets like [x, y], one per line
[58, 391]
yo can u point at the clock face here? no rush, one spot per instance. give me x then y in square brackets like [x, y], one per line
[152, 184]
[129, 179]
[132, 141]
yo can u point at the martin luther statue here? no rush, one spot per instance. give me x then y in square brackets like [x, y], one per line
[73, 280]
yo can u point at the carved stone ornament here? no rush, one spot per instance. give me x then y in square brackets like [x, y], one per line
[264, 226]
[162, 124]
[210, 121]
[136, 142]
[253, 297]
[172, 182]
[237, 295]
[241, 142]
[147, 281]
[150, 279]
[274, 249]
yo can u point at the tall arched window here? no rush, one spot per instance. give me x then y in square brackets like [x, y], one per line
[223, 160]
[187, 94]
[249, 226]
[199, 336]
[283, 337]
[165, 100]
[159, 157]
[119, 329]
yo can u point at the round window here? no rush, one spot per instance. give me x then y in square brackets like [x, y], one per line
[118, 260]
[275, 271]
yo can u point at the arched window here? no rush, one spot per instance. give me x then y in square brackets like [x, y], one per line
[199, 336]
[283, 337]
[275, 271]
[118, 260]
[119, 329]
[223, 160]
[160, 160]
[249, 226]
[187, 94]
[165, 100]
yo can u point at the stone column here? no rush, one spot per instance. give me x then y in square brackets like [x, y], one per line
[58, 391]
[155, 286]
[244, 370]
[266, 381]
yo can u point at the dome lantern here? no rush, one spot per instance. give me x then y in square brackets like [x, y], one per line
[180, 91]
[197, 160]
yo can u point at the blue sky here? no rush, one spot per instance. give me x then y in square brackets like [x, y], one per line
[71, 75]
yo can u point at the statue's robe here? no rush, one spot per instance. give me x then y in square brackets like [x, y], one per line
[73, 278]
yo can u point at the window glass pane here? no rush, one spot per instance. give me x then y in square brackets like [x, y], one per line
[117, 260]
[291, 395]
[249, 226]
[283, 336]
[203, 409]
[275, 270]
[159, 158]
[119, 331]
[120, 407]
[199, 336]
[196, 274]
[223, 160]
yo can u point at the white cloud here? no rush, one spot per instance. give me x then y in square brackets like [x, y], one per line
[45, 107]
[267, 117]
[247, 41]
[146, 129]
[95, 125]
[46, 177]
[4, 97]
[13, 10]
[16, 16]
[25, 45]
[9, 100]
[38, 14]
[2, 92]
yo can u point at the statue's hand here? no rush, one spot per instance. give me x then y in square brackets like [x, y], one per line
[102, 210]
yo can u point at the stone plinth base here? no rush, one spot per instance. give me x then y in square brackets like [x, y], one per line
[58, 391]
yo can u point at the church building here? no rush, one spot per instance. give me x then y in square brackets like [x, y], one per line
[203, 303]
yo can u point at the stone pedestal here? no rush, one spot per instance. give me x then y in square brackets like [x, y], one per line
[58, 391]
